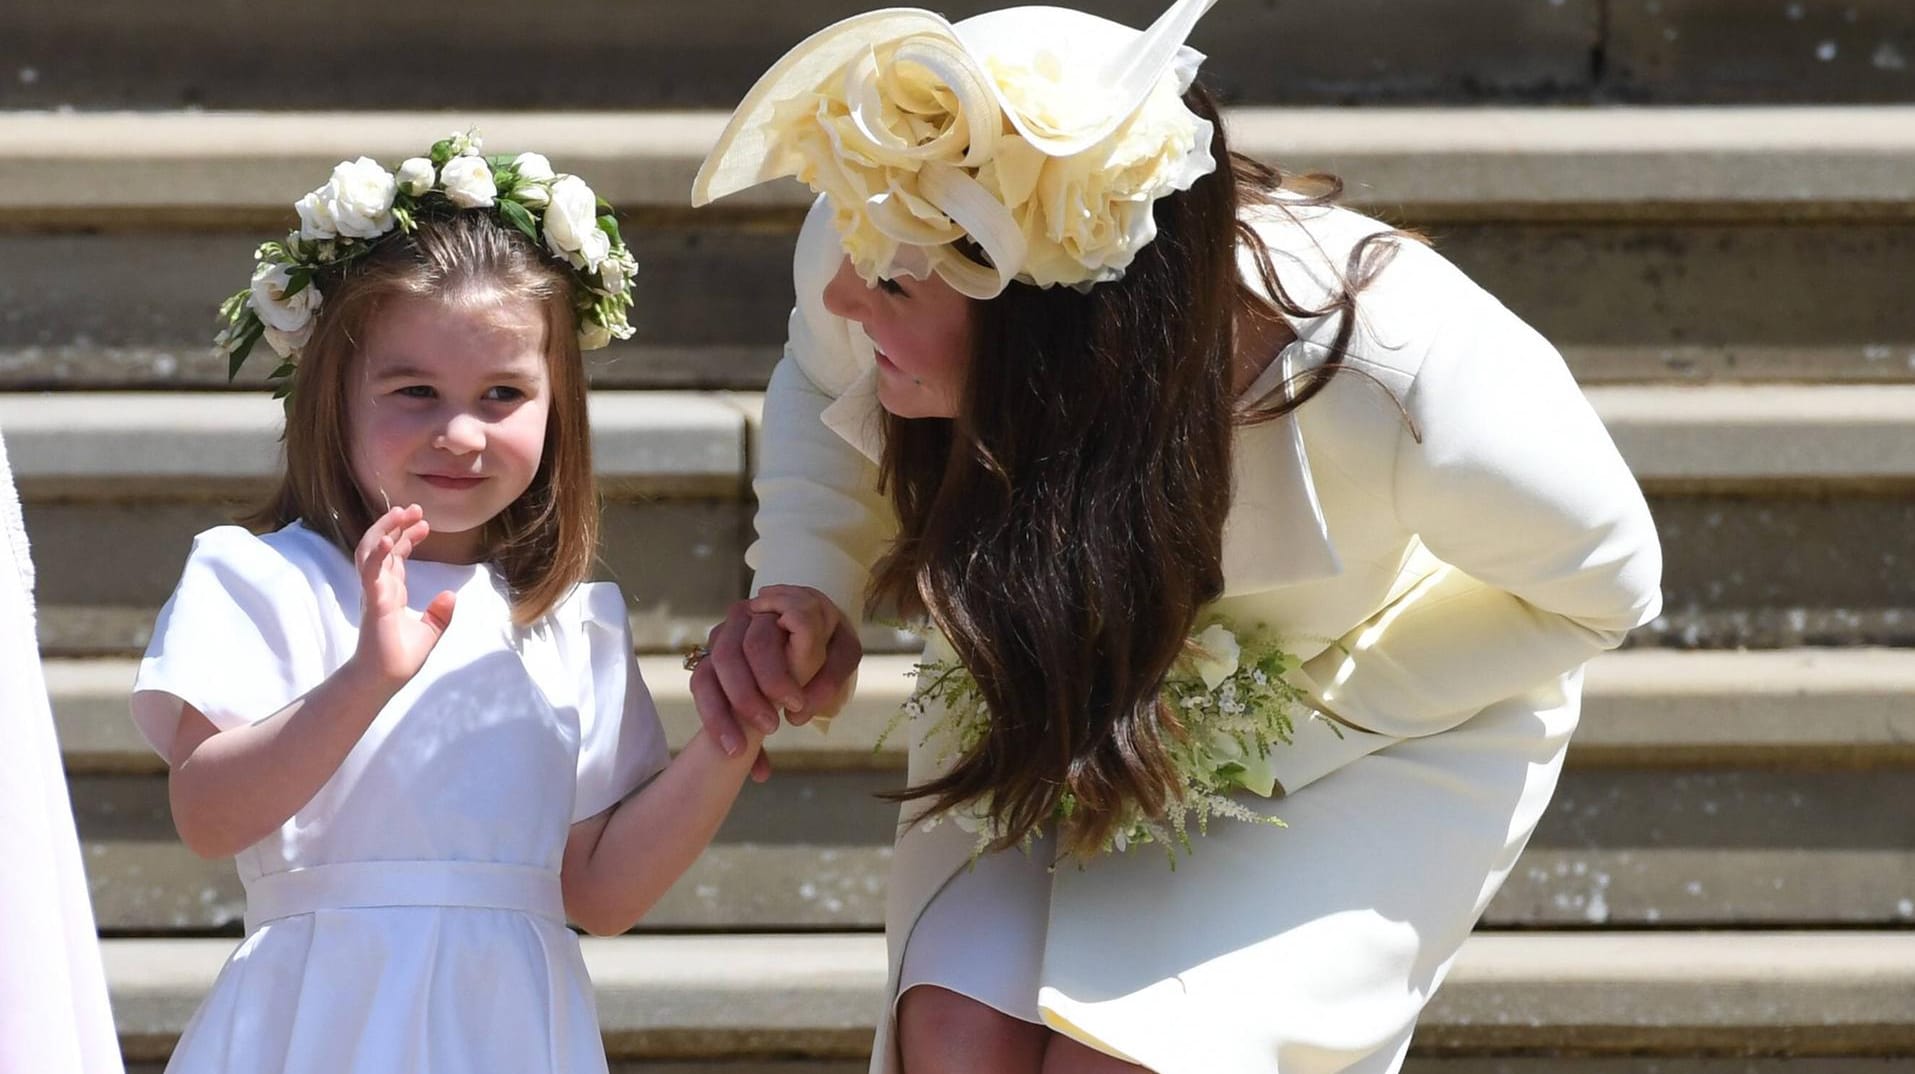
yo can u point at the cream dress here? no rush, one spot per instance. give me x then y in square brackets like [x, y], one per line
[409, 916]
[1445, 537]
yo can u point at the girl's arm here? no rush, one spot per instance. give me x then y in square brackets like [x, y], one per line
[229, 789]
[619, 863]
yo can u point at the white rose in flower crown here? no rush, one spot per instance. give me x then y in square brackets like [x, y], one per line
[416, 176]
[571, 224]
[1217, 655]
[356, 203]
[286, 344]
[468, 182]
[315, 217]
[290, 319]
[535, 173]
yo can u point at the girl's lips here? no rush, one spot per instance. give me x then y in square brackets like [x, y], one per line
[444, 481]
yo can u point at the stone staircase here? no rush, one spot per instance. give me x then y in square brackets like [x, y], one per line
[1726, 881]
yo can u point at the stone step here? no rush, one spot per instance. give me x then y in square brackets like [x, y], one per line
[1625, 301]
[1819, 709]
[1667, 219]
[1781, 507]
[1693, 849]
[121, 54]
[71, 447]
[814, 997]
[221, 170]
[1706, 789]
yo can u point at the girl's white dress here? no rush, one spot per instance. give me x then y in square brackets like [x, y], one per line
[409, 916]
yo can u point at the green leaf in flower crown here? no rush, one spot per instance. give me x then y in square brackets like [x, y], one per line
[285, 371]
[298, 280]
[403, 215]
[441, 152]
[609, 225]
[243, 345]
[496, 161]
[516, 215]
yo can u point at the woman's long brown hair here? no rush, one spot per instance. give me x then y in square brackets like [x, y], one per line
[1065, 530]
[544, 543]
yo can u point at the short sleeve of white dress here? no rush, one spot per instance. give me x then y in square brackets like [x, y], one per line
[238, 640]
[621, 742]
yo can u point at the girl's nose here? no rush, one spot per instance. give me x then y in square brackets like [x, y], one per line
[847, 295]
[462, 434]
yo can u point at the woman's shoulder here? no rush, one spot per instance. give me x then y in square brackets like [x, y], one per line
[1407, 290]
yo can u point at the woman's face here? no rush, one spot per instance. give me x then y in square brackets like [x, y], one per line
[922, 332]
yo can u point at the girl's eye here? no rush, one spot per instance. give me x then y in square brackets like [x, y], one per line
[504, 394]
[416, 391]
[890, 287]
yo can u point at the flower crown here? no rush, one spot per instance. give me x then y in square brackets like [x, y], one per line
[362, 204]
[1026, 144]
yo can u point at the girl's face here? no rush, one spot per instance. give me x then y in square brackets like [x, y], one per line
[922, 332]
[447, 408]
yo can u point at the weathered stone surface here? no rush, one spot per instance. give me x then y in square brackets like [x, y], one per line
[1645, 708]
[1624, 301]
[706, 287]
[675, 559]
[1736, 50]
[1631, 848]
[814, 997]
[604, 54]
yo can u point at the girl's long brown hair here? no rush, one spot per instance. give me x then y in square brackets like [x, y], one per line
[1065, 530]
[543, 544]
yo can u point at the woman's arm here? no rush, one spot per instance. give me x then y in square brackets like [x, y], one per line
[1516, 485]
[821, 522]
[619, 863]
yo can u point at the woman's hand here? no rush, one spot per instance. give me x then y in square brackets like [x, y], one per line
[789, 648]
[394, 642]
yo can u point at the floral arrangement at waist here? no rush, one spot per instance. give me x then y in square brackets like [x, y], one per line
[1231, 697]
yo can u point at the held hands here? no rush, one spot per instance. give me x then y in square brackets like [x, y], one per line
[788, 648]
[393, 641]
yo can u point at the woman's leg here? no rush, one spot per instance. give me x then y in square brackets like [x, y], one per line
[1063, 1055]
[941, 1032]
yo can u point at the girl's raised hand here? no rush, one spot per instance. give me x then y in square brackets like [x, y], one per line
[393, 641]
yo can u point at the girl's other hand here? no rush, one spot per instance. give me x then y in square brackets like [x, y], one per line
[393, 641]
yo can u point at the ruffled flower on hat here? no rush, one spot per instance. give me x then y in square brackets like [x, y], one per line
[912, 144]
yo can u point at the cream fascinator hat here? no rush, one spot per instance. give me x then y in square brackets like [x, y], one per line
[1026, 144]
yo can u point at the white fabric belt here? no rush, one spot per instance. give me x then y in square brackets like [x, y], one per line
[367, 885]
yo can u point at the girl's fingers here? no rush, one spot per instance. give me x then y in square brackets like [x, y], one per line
[714, 710]
[438, 614]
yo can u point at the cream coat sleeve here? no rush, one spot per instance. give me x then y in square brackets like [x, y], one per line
[820, 520]
[1515, 484]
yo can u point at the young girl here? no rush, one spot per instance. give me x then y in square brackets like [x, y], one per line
[399, 704]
